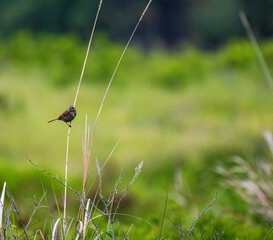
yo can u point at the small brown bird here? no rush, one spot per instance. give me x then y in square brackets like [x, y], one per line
[67, 116]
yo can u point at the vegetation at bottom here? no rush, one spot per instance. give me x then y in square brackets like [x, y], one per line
[185, 114]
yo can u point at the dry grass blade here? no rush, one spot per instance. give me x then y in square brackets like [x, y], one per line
[87, 155]
[85, 223]
[79, 231]
[39, 232]
[65, 179]
[2, 206]
[115, 70]
[67, 231]
[54, 231]
[87, 51]
[252, 181]
[268, 137]
[86, 158]
[257, 49]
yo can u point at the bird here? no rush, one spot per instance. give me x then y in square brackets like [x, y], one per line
[67, 116]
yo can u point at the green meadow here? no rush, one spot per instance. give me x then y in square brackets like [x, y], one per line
[184, 113]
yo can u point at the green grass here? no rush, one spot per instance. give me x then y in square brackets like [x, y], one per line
[184, 111]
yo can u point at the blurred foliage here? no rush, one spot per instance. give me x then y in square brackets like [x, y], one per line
[60, 58]
[205, 23]
[175, 70]
[181, 112]
[238, 54]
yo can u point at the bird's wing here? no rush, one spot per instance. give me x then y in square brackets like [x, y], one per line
[64, 114]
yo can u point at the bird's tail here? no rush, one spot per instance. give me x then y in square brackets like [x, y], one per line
[52, 120]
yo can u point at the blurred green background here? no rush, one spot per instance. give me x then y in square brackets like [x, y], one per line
[188, 96]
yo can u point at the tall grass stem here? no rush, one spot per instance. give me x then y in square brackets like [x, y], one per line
[76, 97]
[65, 181]
[267, 235]
[87, 51]
[257, 49]
[2, 205]
[115, 70]
[164, 213]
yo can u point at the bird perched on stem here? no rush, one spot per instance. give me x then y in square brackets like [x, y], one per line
[67, 116]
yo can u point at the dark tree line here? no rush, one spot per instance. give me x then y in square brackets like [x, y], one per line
[168, 23]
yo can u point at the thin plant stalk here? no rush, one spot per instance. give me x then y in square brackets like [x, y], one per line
[114, 73]
[164, 213]
[85, 223]
[54, 231]
[76, 97]
[267, 235]
[65, 179]
[257, 49]
[85, 158]
[87, 155]
[106, 92]
[199, 217]
[79, 231]
[39, 232]
[87, 51]
[2, 205]
[103, 165]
